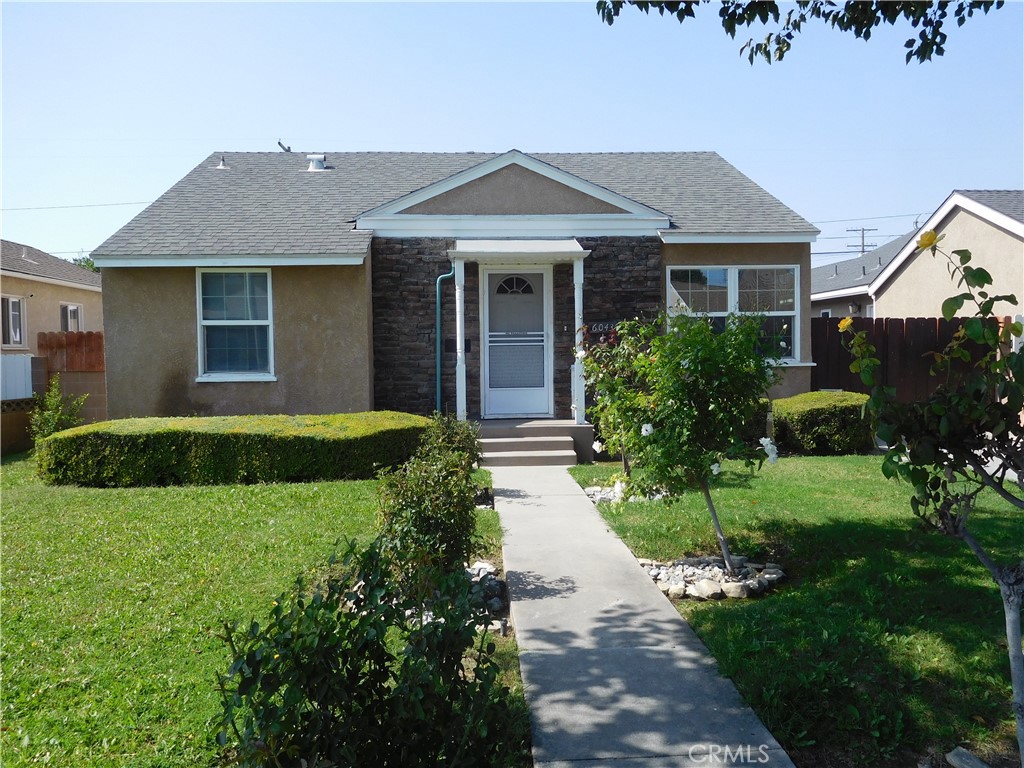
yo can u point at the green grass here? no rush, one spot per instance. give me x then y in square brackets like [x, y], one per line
[887, 640]
[112, 598]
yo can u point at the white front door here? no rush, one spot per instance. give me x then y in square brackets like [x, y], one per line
[517, 327]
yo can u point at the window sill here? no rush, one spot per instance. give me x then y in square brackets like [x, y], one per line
[16, 348]
[794, 364]
[236, 377]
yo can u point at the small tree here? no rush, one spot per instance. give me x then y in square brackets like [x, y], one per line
[967, 436]
[675, 403]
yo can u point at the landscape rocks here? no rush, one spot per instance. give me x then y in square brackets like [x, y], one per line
[495, 590]
[705, 578]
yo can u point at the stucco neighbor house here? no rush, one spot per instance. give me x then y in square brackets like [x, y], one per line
[988, 223]
[292, 283]
[44, 293]
[842, 289]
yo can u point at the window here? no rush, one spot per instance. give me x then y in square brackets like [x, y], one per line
[13, 308]
[71, 317]
[236, 341]
[826, 313]
[717, 291]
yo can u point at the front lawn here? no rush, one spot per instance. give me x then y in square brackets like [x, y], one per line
[111, 598]
[885, 644]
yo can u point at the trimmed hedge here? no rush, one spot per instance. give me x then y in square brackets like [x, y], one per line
[822, 424]
[229, 449]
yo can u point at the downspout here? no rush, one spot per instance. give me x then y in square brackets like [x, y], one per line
[437, 333]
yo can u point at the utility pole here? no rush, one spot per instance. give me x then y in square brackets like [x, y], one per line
[863, 246]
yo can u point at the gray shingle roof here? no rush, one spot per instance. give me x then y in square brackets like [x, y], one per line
[31, 262]
[1009, 202]
[266, 203]
[858, 272]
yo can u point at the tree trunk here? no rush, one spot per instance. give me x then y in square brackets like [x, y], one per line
[1012, 594]
[723, 545]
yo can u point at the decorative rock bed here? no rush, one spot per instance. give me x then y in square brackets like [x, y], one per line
[705, 578]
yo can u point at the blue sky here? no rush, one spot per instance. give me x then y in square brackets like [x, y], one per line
[113, 103]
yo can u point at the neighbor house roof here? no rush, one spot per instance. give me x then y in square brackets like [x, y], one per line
[267, 204]
[1003, 208]
[853, 276]
[25, 261]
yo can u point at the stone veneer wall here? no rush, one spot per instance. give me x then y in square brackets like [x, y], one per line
[622, 279]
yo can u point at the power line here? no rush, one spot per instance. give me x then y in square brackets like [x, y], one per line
[89, 205]
[870, 218]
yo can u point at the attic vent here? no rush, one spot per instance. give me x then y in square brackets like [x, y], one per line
[317, 162]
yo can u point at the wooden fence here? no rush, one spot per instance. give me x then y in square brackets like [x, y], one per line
[78, 357]
[903, 346]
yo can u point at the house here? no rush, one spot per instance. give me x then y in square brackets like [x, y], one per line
[842, 289]
[988, 223]
[286, 282]
[44, 293]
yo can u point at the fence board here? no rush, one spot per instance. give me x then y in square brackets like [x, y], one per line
[72, 351]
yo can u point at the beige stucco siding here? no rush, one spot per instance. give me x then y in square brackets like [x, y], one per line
[923, 282]
[322, 349]
[841, 307]
[793, 379]
[42, 308]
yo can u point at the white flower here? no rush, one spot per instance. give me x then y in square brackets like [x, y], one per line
[598, 446]
[716, 468]
[771, 449]
[580, 353]
[647, 430]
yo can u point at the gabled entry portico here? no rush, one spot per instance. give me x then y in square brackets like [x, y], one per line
[517, 330]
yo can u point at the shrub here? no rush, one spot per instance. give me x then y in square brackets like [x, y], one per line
[427, 516]
[352, 672]
[446, 433]
[229, 449]
[823, 424]
[53, 412]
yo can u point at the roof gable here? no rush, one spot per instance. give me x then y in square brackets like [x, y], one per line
[853, 276]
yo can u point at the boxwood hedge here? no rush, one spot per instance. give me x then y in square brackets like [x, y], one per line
[822, 424]
[229, 449]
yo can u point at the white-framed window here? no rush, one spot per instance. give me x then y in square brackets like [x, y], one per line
[14, 331]
[70, 317]
[236, 325]
[826, 313]
[772, 291]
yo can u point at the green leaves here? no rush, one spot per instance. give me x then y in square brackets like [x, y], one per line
[954, 304]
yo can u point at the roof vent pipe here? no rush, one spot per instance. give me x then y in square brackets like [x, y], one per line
[317, 162]
[221, 167]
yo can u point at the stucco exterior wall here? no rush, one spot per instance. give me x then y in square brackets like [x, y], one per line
[922, 283]
[322, 348]
[513, 190]
[795, 379]
[841, 307]
[42, 308]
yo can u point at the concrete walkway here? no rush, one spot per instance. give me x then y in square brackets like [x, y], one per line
[613, 675]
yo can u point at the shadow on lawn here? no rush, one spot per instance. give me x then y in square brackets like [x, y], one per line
[884, 643]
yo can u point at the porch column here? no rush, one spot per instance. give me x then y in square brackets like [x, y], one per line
[579, 390]
[460, 340]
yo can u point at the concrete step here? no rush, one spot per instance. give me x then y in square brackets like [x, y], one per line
[566, 458]
[532, 443]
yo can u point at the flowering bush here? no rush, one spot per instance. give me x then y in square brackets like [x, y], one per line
[673, 396]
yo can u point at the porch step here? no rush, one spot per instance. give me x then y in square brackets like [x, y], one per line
[534, 442]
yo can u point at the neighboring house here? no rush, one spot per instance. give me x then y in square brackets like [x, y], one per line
[842, 289]
[41, 292]
[290, 283]
[988, 223]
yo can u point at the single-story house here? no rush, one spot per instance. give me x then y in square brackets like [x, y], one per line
[44, 293]
[308, 283]
[988, 223]
[842, 289]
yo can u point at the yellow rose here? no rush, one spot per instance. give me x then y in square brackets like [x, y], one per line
[928, 240]
[844, 324]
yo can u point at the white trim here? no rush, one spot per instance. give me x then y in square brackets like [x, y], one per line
[840, 293]
[547, 271]
[671, 237]
[461, 411]
[242, 261]
[512, 157]
[519, 252]
[533, 225]
[201, 324]
[50, 280]
[955, 200]
[732, 276]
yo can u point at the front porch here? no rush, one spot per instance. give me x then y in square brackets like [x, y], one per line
[535, 442]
